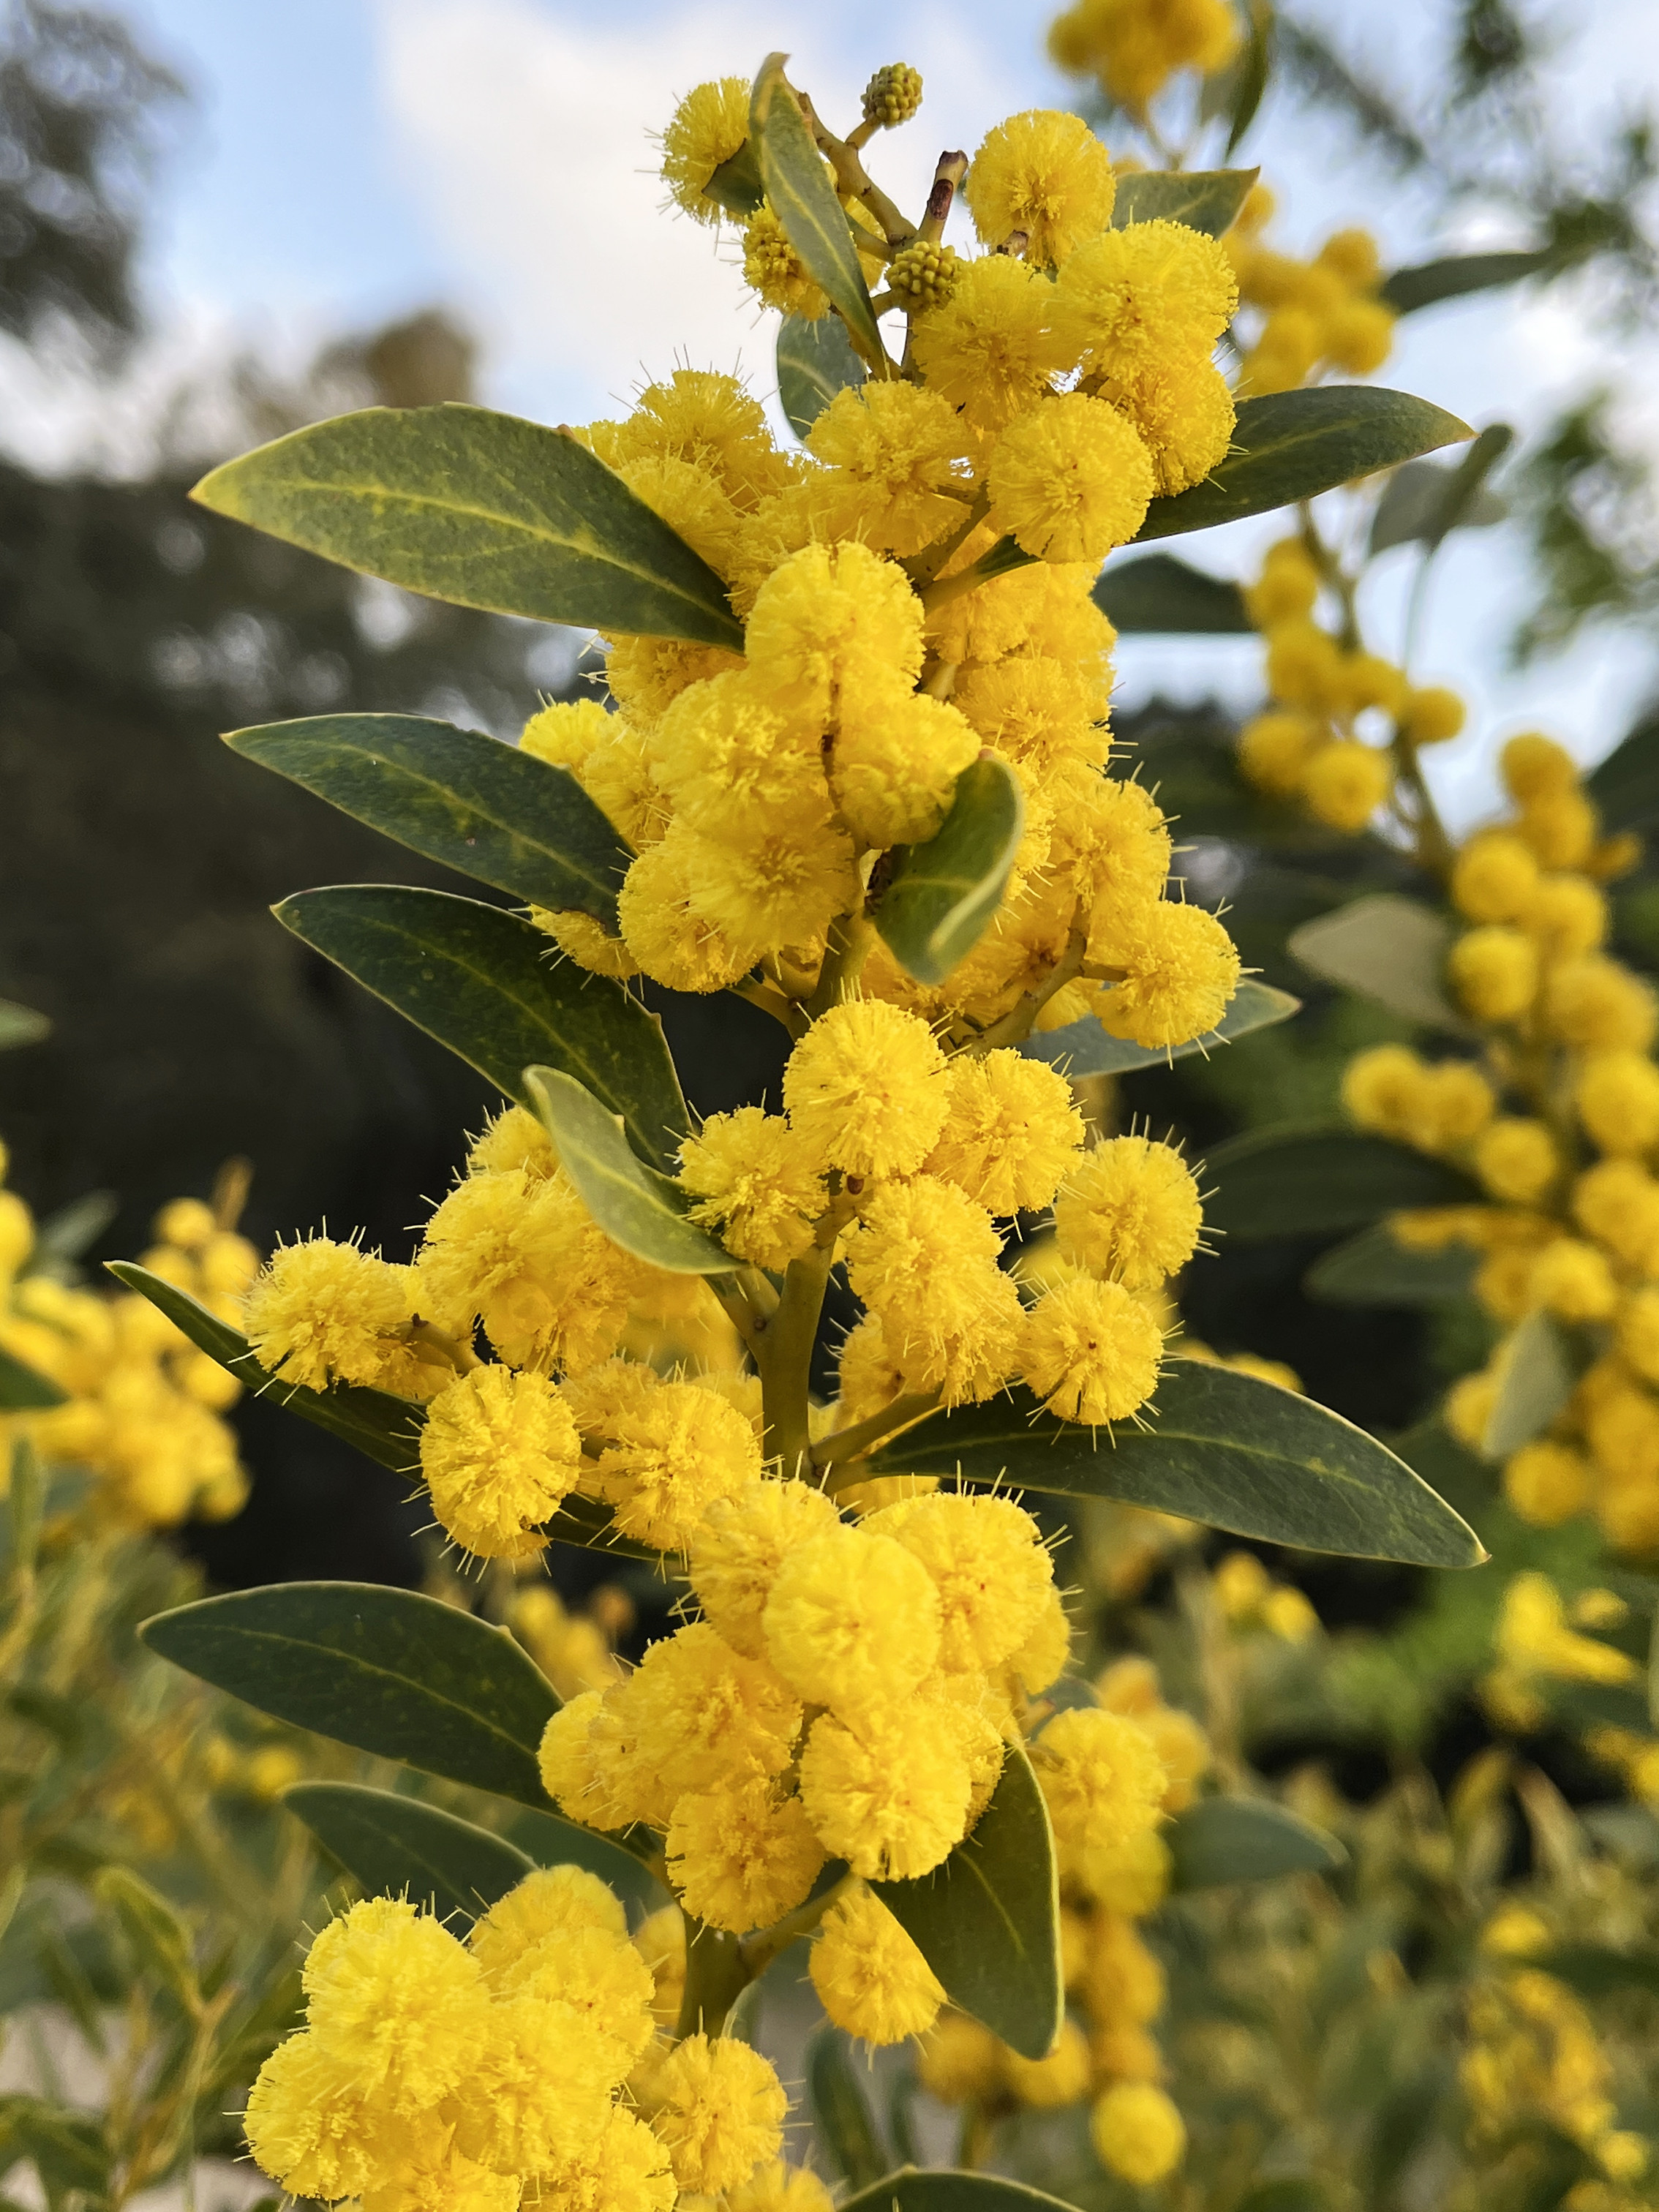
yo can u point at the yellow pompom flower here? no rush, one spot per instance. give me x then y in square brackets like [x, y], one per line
[1304, 666]
[673, 946]
[924, 1257]
[991, 348]
[708, 128]
[852, 1621]
[1045, 173]
[1494, 972]
[1547, 1483]
[1089, 1351]
[1036, 710]
[1345, 782]
[780, 2188]
[1593, 1003]
[986, 1559]
[718, 2111]
[866, 1089]
[892, 1796]
[1432, 714]
[1287, 589]
[1138, 297]
[321, 1312]
[622, 2168]
[1566, 914]
[669, 1457]
[551, 1901]
[1138, 2132]
[537, 2089]
[1273, 749]
[741, 1856]
[897, 445]
[1010, 1134]
[1130, 1210]
[769, 876]
[830, 626]
[1182, 970]
[1048, 2084]
[1617, 1099]
[1494, 878]
[961, 2062]
[1572, 1279]
[581, 1770]
[1182, 409]
[1070, 480]
[1517, 1159]
[308, 2133]
[738, 1547]
[514, 1139]
[871, 1980]
[1101, 1778]
[700, 416]
[395, 2003]
[722, 750]
[773, 268]
[1534, 769]
[893, 767]
[756, 1182]
[499, 1452]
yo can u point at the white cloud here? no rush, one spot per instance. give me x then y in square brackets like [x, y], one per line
[524, 130]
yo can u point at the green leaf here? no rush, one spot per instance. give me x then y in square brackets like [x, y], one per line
[1374, 1269]
[797, 185]
[158, 1939]
[483, 808]
[25, 1502]
[736, 185]
[1160, 596]
[1535, 1378]
[1291, 446]
[939, 2189]
[1316, 1179]
[63, 1236]
[1458, 274]
[1203, 199]
[1389, 949]
[1625, 785]
[1225, 1839]
[841, 2120]
[941, 895]
[1249, 74]
[489, 986]
[642, 1210]
[21, 1025]
[22, 1389]
[987, 1921]
[1087, 1047]
[483, 510]
[1597, 1970]
[1423, 501]
[69, 2148]
[385, 1428]
[1289, 2193]
[815, 362]
[395, 1846]
[387, 1671]
[1220, 1448]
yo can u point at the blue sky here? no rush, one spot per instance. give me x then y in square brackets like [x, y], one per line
[351, 160]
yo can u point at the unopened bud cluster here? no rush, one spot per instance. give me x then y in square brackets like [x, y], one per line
[892, 95]
[924, 275]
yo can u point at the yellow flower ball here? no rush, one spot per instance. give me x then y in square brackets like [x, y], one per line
[499, 1453]
[992, 348]
[1617, 1099]
[1566, 914]
[1638, 1332]
[924, 1259]
[1183, 410]
[894, 765]
[1129, 1210]
[986, 1559]
[1138, 2132]
[1383, 1089]
[852, 1621]
[1494, 972]
[1275, 749]
[1091, 1352]
[1494, 878]
[1288, 587]
[1304, 666]
[1182, 970]
[891, 1796]
[396, 2002]
[866, 1088]
[772, 268]
[1048, 2085]
[1043, 172]
[961, 2062]
[1534, 767]
[898, 446]
[1547, 1483]
[1345, 782]
[551, 1901]
[1146, 295]
[871, 1979]
[720, 2112]
[622, 2167]
[1070, 480]
[1357, 336]
[1517, 1159]
[741, 1856]
[1572, 1278]
[1101, 1778]
[321, 1312]
[1432, 714]
[756, 1182]
[708, 128]
[1594, 1004]
[1010, 1133]
[830, 626]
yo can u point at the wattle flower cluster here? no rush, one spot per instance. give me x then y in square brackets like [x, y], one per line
[1113, 1872]
[1310, 316]
[1559, 1123]
[438, 2075]
[1134, 47]
[1339, 716]
[143, 1406]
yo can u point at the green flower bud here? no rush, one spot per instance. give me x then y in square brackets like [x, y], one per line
[924, 275]
[892, 95]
